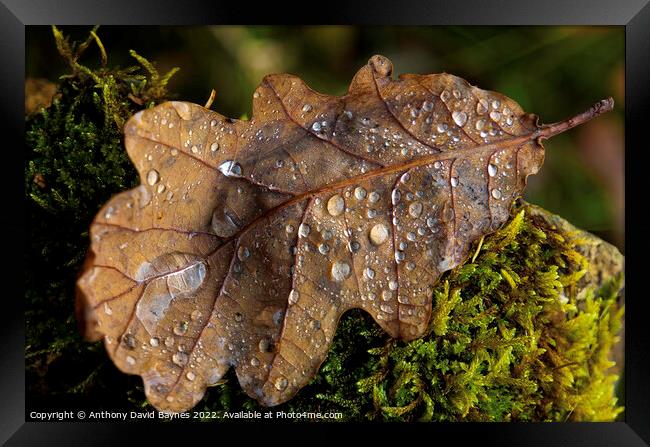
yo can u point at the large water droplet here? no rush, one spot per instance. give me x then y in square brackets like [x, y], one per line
[181, 328]
[373, 197]
[369, 273]
[340, 270]
[395, 197]
[152, 177]
[223, 224]
[230, 168]
[454, 181]
[496, 116]
[496, 194]
[379, 234]
[180, 358]
[415, 209]
[359, 193]
[492, 170]
[281, 383]
[303, 230]
[294, 295]
[306, 108]
[459, 117]
[335, 205]
[482, 106]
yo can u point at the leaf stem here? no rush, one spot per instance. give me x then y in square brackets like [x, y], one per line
[550, 130]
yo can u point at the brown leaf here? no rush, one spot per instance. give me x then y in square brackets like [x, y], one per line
[247, 240]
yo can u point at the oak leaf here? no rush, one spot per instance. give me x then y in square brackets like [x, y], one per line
[247, 240]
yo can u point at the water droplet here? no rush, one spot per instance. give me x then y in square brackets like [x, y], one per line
[399, 256]
[509, 121]
[181, 327]
[445, 96]
[195, 315]
[315, 324]
[323, 249]
[160, 188]
[107, 309]
[306, 108]
[496, 194]
[230, 168]
[454, 181]
[496, 104]
[496, 116]
[303, 230]
[437, 165]
[180, 358]
[169, 342]
[442, 127]
[392, 285]
[369, 273]
[340, 270]
[238, 317]
[214, 147]
[190, 376]
[281, 383]
[213, 123]
[447, 212]
[289, 229]
[379, 234]
[427, 105]
[130, 360]
[335, 205]
[316, 127]
[152, 177]
[411, 236]
[154, 341]
[255, 362]
[326, 235]
[194, 149]
[373, 197]
[264, 345]
[174, 151]
[359, 193]
[482, 106]
[460, 118]
[395, 196]
[480, 124]
[243, 253]
[492, 170]
[457, 94]
[354, 246]
[294, 295]
[129, 341]
[415, 209]
[386, 295]
[371, 213]
[405, 177]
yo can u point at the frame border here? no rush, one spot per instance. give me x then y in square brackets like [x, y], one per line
[633, 14]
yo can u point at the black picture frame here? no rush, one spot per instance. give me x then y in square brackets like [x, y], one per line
[634, 15]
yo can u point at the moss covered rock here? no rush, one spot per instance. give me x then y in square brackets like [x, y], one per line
[522, 331]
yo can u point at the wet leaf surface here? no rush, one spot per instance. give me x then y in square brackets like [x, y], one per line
[247, 240]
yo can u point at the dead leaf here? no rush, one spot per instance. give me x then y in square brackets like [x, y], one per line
[247, 240]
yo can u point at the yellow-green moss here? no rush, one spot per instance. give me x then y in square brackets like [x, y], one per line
[522, 331]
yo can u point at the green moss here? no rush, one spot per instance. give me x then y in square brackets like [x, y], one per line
[522, 331]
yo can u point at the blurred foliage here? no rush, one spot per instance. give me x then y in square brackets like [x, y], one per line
[497, 350]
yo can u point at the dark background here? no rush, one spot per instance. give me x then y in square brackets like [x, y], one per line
[553, 71]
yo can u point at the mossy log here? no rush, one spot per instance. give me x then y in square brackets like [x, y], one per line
[524, 330]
